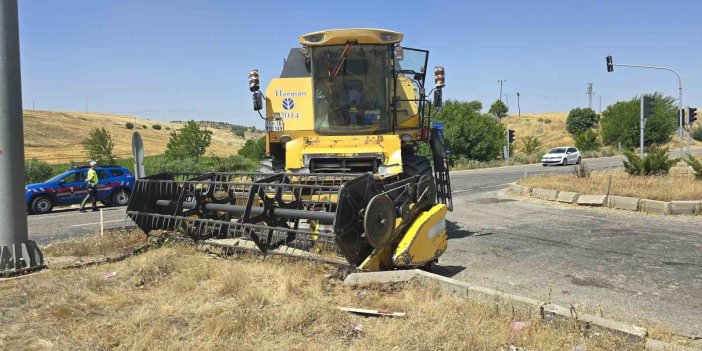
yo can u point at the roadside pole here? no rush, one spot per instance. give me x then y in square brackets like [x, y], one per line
[18, 254]
[507, 151]
[642, 124]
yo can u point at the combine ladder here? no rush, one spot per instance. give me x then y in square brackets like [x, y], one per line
[441, 167]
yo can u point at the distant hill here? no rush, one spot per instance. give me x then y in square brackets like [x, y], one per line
[55, 136]
[551, 129]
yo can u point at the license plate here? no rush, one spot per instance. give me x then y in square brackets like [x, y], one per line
[274, 126]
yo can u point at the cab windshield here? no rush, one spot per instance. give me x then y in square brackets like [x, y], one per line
[351, 88]
[559, 150]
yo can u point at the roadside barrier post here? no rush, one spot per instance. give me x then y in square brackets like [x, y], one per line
[18, 254]
[102, 225]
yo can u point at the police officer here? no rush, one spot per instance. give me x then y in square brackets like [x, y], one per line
[92, 181]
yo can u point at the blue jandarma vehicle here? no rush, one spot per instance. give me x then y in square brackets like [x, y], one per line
[114, 188]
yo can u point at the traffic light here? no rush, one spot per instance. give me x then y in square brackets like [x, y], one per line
[510, 135]
[647, 106]
[610, 64]
[691, 115]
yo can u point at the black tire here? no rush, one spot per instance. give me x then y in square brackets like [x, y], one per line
[271, 166]
[120, 197]
[579, 161]
[564, 162]
[543, 164]
[416, 165]
[42, 205]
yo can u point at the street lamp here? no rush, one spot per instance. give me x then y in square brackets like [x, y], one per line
[610, 68]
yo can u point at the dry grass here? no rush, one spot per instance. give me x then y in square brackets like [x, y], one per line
[113, 243]
[55, 136]
[667, 188]
[176, 298]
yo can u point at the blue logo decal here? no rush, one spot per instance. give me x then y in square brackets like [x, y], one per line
[288, 104]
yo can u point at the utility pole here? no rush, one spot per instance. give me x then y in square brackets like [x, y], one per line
[501, 81]
[18, 254]
[610, 68]
[646, 111]
[519, 108]
[589, 95]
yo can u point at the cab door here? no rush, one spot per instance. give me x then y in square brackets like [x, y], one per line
[72, 188]
[104, 187]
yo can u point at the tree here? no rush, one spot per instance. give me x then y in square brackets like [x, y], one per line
[581, 119]
[129, 125]
[498, 109]
[254, 149]
[469, 133]
[620, 122]
[475, 105]
[530, 144]
[98, 145]
[587, 141]
[189, 141]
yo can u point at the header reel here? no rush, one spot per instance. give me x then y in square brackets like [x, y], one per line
[353, 215]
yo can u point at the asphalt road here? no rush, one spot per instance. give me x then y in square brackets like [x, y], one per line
[629, 266]
[65, 223]
[645, 269]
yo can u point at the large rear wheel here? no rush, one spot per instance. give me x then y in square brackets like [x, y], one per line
[413, 165]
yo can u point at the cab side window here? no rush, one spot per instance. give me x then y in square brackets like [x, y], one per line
[117, 173]
[571, 150]
[101, 174]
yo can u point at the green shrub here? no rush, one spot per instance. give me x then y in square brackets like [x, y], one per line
[36, 171]
[548, 121]
[697, 134]
[530, 144]
[588, 141]
[254, 149]
[234, 163]
[143, 126]
[696, 166]
[156, 126]
[168, 128]
[655, 163]
[129, 125]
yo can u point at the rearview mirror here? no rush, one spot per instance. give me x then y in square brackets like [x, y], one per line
[437, 98]
[62, 181]
[257, 101]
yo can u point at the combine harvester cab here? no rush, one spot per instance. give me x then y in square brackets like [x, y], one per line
[344, 179]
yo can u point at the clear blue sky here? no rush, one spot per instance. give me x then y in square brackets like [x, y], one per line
[189, 59]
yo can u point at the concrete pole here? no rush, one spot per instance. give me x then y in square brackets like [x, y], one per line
[17, 253]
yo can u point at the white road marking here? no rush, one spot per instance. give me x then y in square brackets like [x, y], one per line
[65, 215]
[494, 186]
[86, 224]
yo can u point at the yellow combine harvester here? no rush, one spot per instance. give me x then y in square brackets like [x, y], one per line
[344, 124]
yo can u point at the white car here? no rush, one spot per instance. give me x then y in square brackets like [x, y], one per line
[565, 155]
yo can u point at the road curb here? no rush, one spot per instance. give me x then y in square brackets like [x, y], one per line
[547, 311]
[618, 202]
